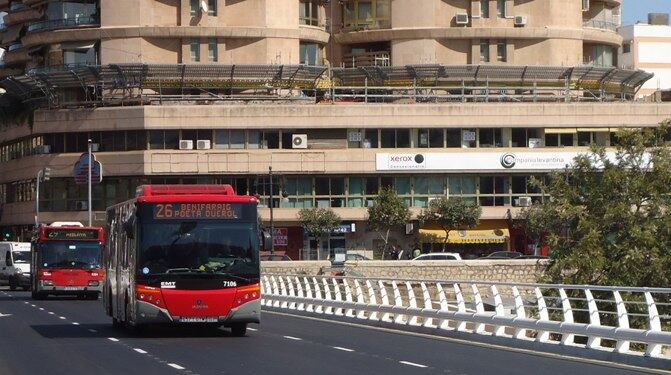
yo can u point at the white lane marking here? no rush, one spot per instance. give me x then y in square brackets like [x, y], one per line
[50, 313]
[176, 366]
[140, 351]
[75, 323]
[252, 329]
[61, 317]
[26, 302]
[31, 305]
[293, 338]
[41, 308]
[113, 339]
[343, 349]
[412, 364]
[92, 330]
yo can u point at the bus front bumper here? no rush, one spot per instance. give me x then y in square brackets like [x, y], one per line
[148, 313]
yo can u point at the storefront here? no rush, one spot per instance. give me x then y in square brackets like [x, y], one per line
[488, 237]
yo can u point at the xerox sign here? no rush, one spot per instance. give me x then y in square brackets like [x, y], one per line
[479, 161]
[400, 161]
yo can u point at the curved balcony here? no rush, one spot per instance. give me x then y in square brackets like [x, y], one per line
[64, 23]
[4, 5]
[16, 54]
[601, 24]
[21, 16]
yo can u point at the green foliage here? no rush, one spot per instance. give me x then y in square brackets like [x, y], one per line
[607, 221]
[319, 222]
[449, 214]
[387, 213]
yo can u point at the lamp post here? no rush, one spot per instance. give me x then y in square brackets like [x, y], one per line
[270, 204]
[42, 175]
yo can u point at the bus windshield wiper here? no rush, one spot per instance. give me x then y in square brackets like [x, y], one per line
[184, 269]
[232, 276]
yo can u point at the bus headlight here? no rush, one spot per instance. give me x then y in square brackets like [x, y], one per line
[47, 283]
[94, 283]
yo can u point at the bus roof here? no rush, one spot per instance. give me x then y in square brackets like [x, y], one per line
[191, 193]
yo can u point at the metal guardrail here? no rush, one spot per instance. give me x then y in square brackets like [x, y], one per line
[603, 25]
[633, 321]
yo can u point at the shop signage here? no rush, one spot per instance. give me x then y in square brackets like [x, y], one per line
[479, 161]
[346, 228]
[281, 237]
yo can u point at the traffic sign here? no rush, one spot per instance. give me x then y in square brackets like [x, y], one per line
[81, 170]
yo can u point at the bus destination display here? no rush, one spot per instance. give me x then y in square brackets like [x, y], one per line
[190, 211]
[72, 234]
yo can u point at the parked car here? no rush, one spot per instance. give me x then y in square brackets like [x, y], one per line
[275, 257]
[439, 256]
[533, 257]
[356, 257]
[503, 255]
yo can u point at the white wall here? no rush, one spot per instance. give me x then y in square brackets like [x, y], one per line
[655, 52]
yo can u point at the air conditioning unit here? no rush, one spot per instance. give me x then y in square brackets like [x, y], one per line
[43, 149]
[299, 141]
[520, 20]
[186, 144]
[461, 19]
[524, 202]
[203, 144]
[585, 5]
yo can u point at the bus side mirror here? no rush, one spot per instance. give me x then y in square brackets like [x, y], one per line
[267, 240]
[129, 226]
[8, 259]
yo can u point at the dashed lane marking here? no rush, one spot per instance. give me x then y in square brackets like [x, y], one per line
[41, 308]
[252, 329]
[113, 339]
[412, 364]
[140, 351]
[92, 330]
[343, 349]
[175, 366]
[75, 323]
[61, 317]
[51, 313]
[293, 338]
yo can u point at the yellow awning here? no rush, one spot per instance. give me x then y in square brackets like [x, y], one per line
[561, 131]
[469, 236]
[596, 130]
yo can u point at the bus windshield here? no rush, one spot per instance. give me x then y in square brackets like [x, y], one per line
[209, 247]
[56, 254]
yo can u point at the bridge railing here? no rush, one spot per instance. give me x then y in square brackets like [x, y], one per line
[618, 319]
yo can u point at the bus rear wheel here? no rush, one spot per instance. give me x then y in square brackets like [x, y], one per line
[239, 329]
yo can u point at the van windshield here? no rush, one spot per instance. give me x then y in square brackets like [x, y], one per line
[21, 256]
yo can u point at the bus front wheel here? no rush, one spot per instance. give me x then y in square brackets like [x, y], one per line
[239, 329]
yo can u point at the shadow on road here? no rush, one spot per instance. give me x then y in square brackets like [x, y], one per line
[57, 331]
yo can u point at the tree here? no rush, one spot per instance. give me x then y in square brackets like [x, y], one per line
[319, 222]
[607, 219]
[388, 212]
[450, 214]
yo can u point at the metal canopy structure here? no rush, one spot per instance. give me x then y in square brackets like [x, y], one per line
[148, 83]
[611, 80]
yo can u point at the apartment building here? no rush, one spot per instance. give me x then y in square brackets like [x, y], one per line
[647, 46]
[435, 98]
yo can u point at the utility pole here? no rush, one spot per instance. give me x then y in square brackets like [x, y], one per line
[270, 204]
[89, 183]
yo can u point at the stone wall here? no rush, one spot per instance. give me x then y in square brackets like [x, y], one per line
[513, 271]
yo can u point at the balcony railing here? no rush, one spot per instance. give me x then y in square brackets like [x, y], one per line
[600, 24]
[377, 58]
[64, 23]
[14, 47]
[362, 25]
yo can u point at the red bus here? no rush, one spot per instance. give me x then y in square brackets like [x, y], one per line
[66, 260]
[183, 254]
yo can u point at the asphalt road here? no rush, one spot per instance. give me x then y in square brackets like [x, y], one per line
[69, 336]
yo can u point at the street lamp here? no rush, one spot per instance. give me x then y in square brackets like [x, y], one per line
[42, 175]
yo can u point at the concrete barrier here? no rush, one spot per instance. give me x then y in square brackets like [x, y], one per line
[302, 267]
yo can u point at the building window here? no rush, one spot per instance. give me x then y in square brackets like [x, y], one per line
[212, 51]
[309, 12]
[310, 54]
[366, 14]
[490, 137]
[484, 51]
[626, 47]
[229, 139]
[559, 140]
[430, 138]
[484, 8]
[501, 8]
[526, 138]
[164, 139]
[501, 51]
[212, 7]
[195, 50]
[194, 7]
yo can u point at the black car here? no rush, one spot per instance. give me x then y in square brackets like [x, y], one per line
[503, 255]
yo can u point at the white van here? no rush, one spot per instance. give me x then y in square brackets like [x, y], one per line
[15, 264]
